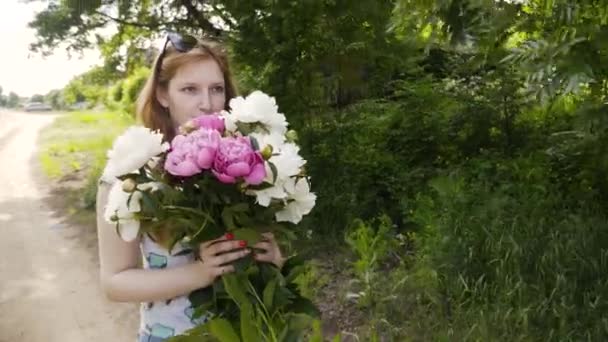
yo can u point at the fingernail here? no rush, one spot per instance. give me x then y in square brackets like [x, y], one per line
[229, 236]
[242, 243]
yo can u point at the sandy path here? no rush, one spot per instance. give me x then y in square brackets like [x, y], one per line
[49, 288]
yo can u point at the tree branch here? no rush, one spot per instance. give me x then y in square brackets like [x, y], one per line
[129, 23]
[205, 24]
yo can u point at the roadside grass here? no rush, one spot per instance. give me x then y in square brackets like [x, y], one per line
[72, 154]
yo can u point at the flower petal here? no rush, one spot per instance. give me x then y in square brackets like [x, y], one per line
[184, 169]
[257, 175]
[238, 169]
[128, 229]
[224, 178]
[205, 158]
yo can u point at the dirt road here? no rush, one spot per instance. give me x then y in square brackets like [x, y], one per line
[49, 288]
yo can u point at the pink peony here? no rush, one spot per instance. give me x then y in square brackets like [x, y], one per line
[192, 153]
[211, 121]
[236, 158]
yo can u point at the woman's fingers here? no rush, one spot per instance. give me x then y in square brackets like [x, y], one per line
[263, 245]
[218, 271]
[223, 247]
[226, 258]
[269, 236]
[267, 257]
[224, 237]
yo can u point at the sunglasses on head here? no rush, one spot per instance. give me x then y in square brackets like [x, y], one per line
[181, 43]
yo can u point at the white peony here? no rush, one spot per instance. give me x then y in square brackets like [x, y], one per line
[257, 107]
[275, 140]
[264, 197]
[288, 162]
[300, 201]
[117, 207]
[229, 121]
[132, 150]
[276, 124]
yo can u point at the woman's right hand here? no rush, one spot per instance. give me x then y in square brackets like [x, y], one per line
[216, 255]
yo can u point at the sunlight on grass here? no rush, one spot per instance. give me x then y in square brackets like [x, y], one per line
[76, 144]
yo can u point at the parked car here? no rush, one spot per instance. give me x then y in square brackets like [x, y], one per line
[37, 106]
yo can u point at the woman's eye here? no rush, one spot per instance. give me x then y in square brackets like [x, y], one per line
[218, 89]
[189, 89]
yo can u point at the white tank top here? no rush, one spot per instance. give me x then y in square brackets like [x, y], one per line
[163, 319]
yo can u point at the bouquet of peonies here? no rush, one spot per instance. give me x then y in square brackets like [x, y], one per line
[237, 172]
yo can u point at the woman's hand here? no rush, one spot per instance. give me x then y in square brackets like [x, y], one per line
[216, 255]
[270, 251]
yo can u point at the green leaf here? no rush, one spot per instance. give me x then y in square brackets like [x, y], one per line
[242, 264]
[149, 204]
[211, 232]
[201, 296]
[240, 207]
[290, 234]
[251, 236]
[223, 330]
[228, 218]
[294, 273]
[234, 286]
[185, 210]
[297, 325]
[305, 306]
[292, 262]
[283, 297]
[249, 330]
[244, 220]
[269, 293]
[254, 143]
[263, 186]
[200, 229]
[275, 172]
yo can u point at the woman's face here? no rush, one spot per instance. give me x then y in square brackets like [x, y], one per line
[197, 88]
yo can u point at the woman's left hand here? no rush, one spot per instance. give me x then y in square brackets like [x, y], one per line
[268, 250]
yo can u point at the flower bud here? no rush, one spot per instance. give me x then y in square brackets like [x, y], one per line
[129, 185]
[292, 136]
[267, 152]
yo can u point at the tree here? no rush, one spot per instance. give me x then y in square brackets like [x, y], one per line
[310, 55]
[90, 86]
[37, 98]
[13, 100]
[55, 99]
[557, 46]
[76, 24]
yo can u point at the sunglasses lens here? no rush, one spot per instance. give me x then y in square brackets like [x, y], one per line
[182, 43]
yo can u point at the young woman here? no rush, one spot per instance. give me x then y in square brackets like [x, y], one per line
[190, 78]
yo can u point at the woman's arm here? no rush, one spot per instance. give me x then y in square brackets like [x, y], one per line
[121, 277]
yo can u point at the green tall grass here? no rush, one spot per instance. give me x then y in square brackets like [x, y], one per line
[517, 259]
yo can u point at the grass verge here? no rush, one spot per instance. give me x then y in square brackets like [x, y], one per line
[72, 154]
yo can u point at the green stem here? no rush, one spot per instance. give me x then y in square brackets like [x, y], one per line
[265, 314]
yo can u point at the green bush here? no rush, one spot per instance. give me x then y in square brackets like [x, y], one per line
[373, 157]
[516, 257]
[114, 96]
[131, 88]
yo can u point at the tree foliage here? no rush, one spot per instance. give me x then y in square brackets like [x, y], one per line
[478, 126]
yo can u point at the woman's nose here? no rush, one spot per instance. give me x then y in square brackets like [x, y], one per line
[204, 104]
